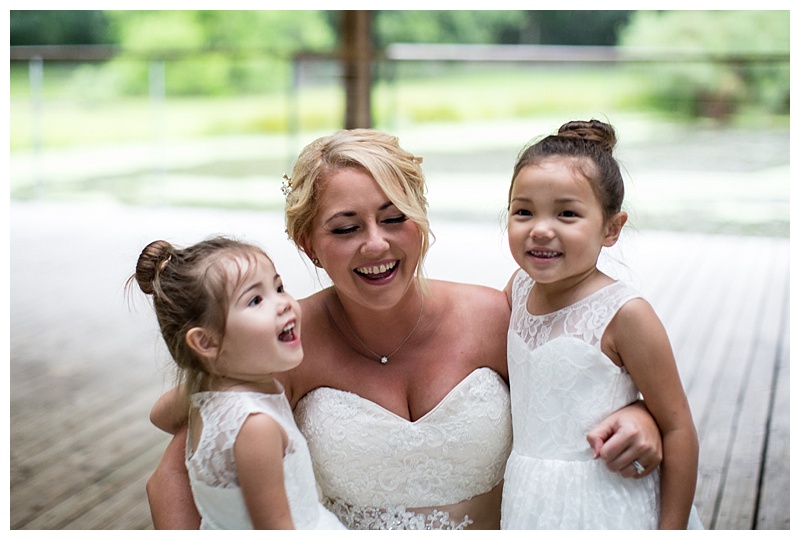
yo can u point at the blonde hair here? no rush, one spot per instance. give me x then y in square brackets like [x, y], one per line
[396, 171]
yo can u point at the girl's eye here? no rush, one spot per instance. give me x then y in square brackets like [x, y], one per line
[522, 212]
[256, 300]
[569, 214]
[280, 288]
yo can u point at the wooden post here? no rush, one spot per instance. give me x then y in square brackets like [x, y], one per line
[357, 63]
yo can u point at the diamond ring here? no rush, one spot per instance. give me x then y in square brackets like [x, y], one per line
[638, 466]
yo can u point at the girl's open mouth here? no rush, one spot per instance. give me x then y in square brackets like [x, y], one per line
[287, 334]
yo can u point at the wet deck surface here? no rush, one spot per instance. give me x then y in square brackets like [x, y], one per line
[86, 366]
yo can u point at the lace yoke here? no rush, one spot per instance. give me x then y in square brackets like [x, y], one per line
[586, 319]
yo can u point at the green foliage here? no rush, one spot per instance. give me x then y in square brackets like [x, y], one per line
[718, 87]
[215, 52]
[447, 26]
[551, 27]
[57, 27]
[574, 27]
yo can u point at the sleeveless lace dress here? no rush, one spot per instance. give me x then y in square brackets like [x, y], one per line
[562, 385]
[378, 470]
[212, 467]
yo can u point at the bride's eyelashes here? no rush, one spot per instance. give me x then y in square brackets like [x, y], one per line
[402, 218]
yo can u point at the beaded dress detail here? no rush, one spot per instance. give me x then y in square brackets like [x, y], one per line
[212, 466]
[562, 385]
[378, 470]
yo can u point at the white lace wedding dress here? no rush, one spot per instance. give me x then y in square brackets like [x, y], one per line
[378, 470]
[212, 466]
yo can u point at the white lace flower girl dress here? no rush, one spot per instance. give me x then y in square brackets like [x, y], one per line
[212, 466]
[562, 385]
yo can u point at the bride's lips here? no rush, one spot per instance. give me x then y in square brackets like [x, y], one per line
[378, 272]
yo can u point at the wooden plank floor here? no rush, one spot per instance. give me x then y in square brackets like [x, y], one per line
[86, 363]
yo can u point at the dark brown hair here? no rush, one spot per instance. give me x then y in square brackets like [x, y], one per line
[190, 288]
[591, 140]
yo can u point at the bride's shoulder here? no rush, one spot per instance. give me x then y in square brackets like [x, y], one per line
[479, 299]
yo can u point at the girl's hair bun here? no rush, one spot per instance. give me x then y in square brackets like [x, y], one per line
[154, 257]
[592, 130]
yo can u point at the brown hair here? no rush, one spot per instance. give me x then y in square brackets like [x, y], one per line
[591, 140]
[190, 288]
[397, 172]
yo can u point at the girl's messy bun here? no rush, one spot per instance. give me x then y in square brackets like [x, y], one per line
[152, 260]
[591, 130]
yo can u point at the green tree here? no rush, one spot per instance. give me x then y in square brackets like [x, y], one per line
[57, 27]
[574, 27]
[218, 52]
[475, 27]
[719, 87]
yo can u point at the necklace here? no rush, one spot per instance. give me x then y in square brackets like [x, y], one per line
[384, 358]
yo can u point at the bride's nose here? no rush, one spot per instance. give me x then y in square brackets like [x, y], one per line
[375, 241]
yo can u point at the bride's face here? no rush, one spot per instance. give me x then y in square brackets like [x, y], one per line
[367, 246]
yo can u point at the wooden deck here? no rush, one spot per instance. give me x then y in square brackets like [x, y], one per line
[86, 366]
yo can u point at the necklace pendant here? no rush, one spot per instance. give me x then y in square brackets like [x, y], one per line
[384, 359]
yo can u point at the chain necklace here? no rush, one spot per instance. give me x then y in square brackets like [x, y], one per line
[384, 358]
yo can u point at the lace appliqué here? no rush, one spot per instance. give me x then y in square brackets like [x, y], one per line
[370, 457]
[393, 518]
[586, 319]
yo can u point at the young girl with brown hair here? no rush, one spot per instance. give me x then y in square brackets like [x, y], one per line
[230, 326]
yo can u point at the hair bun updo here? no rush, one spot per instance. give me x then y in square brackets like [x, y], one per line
[151, 262]
[591, 130]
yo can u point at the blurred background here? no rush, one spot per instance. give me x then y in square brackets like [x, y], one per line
[209, 108]
[127, 126]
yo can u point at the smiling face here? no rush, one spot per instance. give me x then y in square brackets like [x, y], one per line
[556, 227]
[262, 331]
[368, 247]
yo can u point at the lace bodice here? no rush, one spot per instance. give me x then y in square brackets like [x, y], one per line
[562, 384]
[368, 459]
[212, 466]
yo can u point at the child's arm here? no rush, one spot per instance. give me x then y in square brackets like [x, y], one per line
[638, 339]
[259, 451]
[170, 412]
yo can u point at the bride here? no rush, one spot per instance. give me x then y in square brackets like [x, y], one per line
[403, 393]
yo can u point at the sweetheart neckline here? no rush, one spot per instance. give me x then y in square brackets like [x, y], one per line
[392, 414]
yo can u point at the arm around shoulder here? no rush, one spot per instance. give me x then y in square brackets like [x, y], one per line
[170, 411]
[169, 493]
